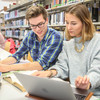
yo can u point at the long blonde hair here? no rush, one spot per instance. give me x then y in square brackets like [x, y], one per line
[82, 12]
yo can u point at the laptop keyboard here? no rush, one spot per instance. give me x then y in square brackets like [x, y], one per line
[80, 97]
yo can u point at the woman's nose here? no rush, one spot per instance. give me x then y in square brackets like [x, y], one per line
[69, 26]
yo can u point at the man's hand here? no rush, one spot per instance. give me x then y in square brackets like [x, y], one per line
[42, 73]
[82, 82]
[4, 68]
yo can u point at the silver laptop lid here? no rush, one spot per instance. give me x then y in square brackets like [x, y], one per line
[47, 88]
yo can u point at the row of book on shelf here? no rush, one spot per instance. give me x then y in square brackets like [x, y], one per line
[19, 22]
[16, 33]
[54, 19]
[55, 3]
[19, 34]
[14, 14]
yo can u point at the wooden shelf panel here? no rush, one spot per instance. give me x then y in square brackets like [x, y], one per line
[20, 26]
[19, 17]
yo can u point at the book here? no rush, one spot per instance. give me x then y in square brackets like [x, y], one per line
[11, 78]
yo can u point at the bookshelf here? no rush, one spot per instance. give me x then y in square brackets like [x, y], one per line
[58, 11]
[2, 24]
[16, 26]
[15, 22]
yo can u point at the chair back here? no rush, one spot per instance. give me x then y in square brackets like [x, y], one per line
[7, 46]
[29, 57]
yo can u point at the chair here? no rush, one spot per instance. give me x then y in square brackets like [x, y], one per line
[29, 57]
[7, 46]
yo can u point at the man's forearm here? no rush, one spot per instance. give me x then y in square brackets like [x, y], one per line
[9, 60]
[27, 66]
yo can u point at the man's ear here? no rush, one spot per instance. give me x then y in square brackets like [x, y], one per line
[47, 19]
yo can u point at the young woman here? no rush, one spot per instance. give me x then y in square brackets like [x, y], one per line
[80, 58]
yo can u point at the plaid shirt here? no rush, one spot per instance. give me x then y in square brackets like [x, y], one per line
[45, 52]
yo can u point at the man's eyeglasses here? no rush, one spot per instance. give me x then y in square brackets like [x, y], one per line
[40, 25]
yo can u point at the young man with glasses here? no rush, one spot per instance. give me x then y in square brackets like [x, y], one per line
[43, 43]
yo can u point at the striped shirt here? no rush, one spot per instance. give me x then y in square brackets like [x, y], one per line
[45, 52]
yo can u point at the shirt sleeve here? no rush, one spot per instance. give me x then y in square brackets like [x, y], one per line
[50, 51]
[94, 70]
[22, 50]
[62, 65]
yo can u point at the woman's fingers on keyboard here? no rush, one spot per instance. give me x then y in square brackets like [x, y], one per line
[82, 82]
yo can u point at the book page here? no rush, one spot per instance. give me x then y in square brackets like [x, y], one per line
[14, 78]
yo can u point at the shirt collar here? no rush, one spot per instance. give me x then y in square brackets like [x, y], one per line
[47, 34]
[77, 39]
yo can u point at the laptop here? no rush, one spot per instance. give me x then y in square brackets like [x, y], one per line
[48, 88]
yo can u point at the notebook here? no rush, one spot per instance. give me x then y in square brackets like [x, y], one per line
[48, 88]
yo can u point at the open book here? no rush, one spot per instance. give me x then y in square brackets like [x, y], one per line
[11, 78]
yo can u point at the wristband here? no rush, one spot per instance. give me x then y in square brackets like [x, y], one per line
[89, 86]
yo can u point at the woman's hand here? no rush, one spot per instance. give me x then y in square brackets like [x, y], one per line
[42, 73]
[82, 82]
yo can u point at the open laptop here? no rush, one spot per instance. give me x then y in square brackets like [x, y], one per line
[48, 88]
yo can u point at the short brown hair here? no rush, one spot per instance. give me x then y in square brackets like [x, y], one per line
[35, 11]
[82, 12]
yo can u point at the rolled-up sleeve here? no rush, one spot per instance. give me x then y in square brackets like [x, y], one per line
[22, 50]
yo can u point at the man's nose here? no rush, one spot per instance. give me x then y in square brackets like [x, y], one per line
[37, 28]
